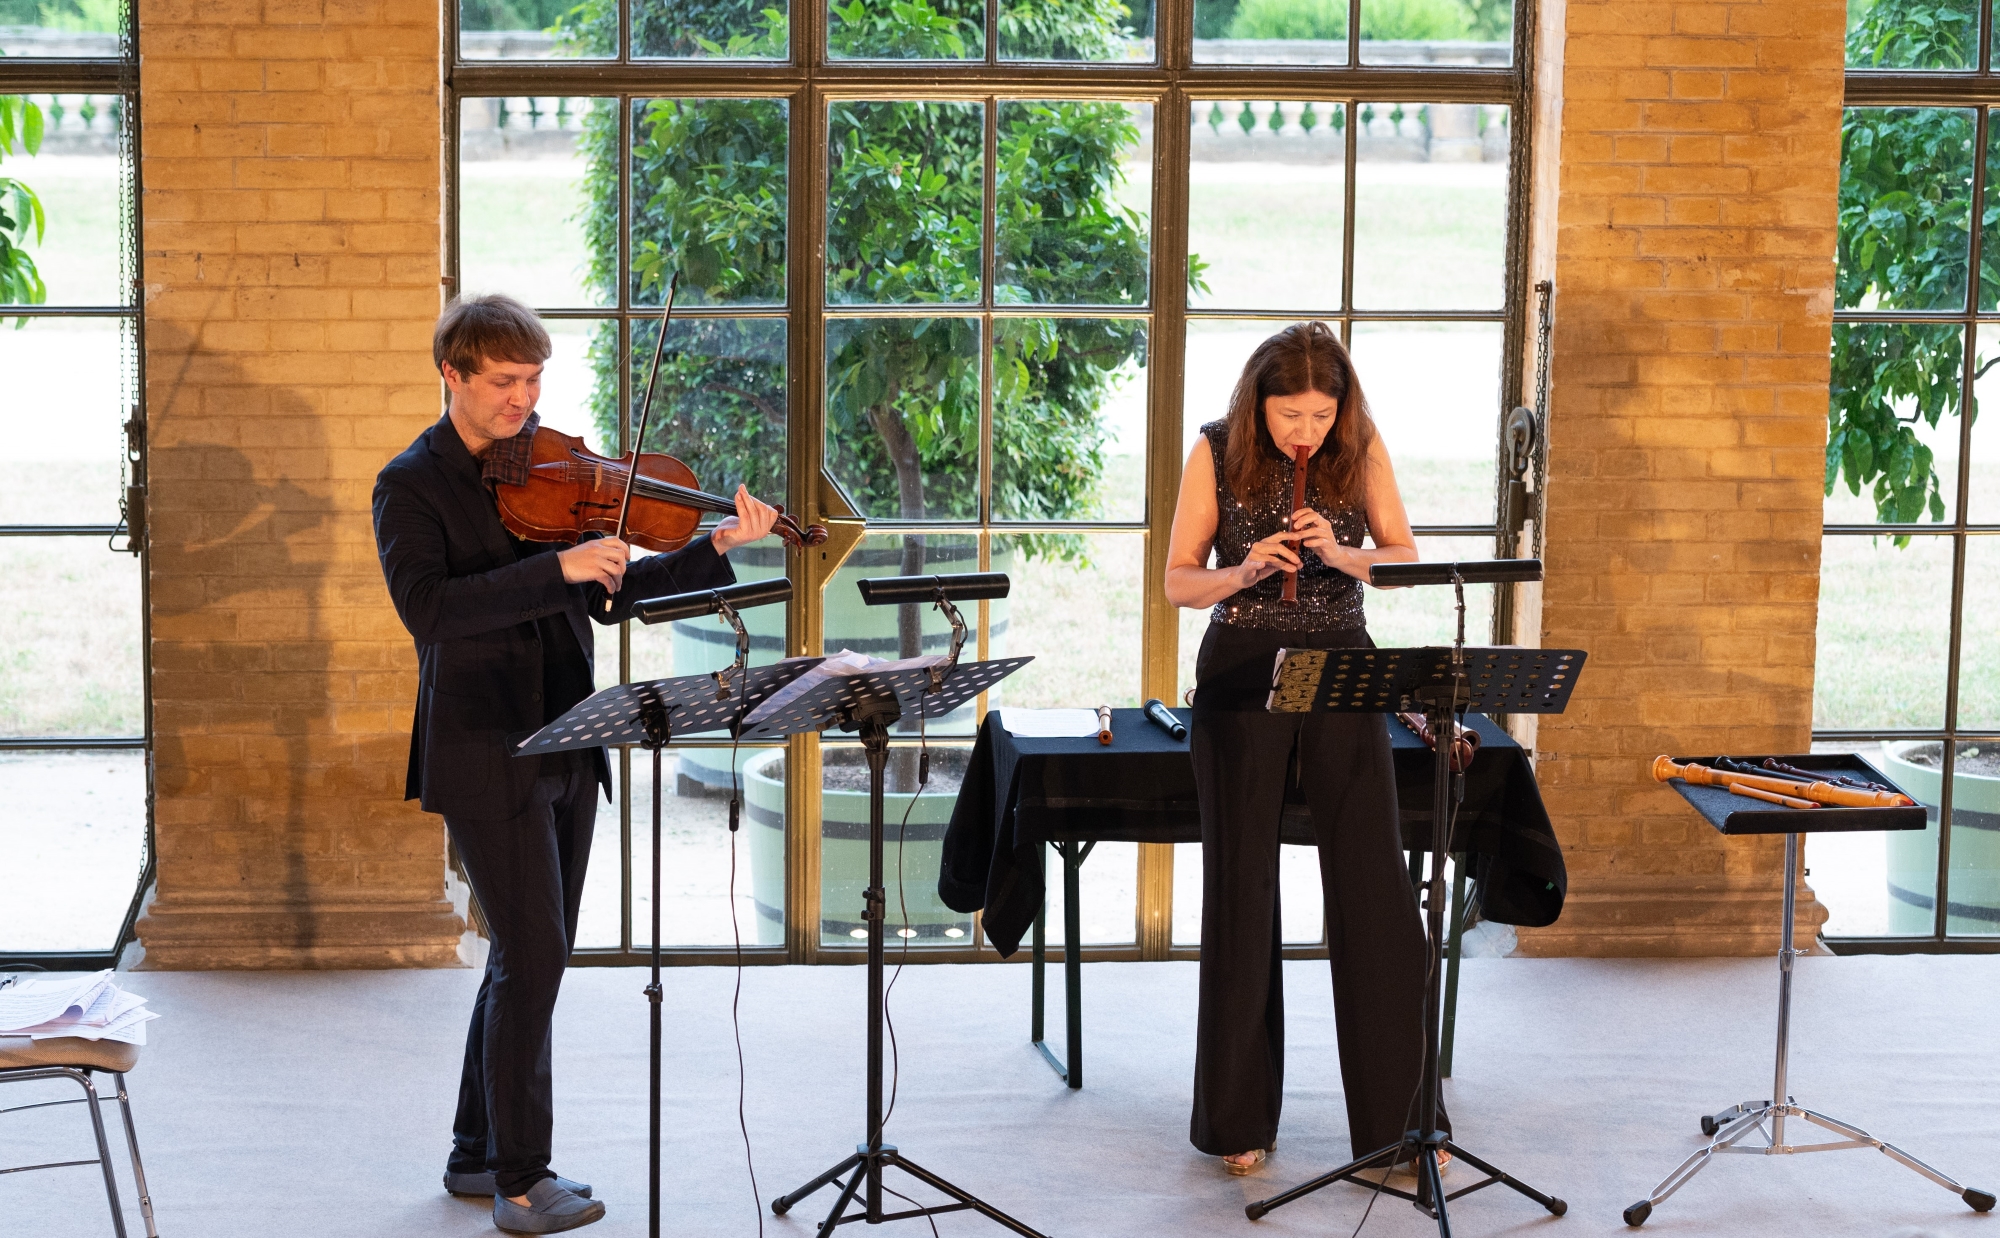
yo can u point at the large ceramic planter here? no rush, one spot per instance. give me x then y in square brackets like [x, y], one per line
[844, 849]
[1974, 906]
[704, 645]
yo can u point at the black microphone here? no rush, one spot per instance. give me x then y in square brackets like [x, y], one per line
[709, 601]
[1164, 718]
[903, 590]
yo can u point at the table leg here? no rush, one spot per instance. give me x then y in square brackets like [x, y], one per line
[1038, 968]
[1073, 855]
[1453, 945]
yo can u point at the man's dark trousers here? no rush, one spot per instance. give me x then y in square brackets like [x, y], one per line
[527, 871]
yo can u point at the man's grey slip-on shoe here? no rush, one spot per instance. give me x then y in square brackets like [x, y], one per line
[482, 1184]
[550, 1210]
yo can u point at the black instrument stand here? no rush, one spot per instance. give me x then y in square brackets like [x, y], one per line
[1727, 1130]
[871, 702]
[645, 715]
[1445, 683]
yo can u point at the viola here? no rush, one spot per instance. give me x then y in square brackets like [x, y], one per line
[571, 491]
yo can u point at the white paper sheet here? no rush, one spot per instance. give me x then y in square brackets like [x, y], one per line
[1050, 723]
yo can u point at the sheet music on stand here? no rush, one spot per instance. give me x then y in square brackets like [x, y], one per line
[826, 703]
[1500, 679]
[694, 703]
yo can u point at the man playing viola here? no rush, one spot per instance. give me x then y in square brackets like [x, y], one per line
[504, 647]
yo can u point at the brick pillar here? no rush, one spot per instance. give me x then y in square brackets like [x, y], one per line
[290, 157]
[1694, 150]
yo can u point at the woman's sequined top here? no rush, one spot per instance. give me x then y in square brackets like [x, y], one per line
[1329, 599]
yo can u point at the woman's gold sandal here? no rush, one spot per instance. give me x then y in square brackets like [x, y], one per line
[1239, 1168]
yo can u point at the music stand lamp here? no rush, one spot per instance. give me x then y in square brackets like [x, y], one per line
[646, 715]
[870, 702]
[1733, 814]
[1444, 684]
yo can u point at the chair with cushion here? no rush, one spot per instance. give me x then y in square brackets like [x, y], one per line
[69, 1057]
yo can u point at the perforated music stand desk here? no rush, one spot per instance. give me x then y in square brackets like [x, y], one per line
[869, 701]
[1443, 682]
[1735, 814]
[647, 714]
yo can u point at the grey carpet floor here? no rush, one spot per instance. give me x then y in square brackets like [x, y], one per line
[307, 1104]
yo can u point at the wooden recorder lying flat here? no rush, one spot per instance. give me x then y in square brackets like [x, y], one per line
[1818, 792]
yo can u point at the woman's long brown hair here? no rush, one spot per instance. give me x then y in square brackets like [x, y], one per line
[1304, 357]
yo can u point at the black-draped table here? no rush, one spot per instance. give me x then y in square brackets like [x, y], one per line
[1021, 795]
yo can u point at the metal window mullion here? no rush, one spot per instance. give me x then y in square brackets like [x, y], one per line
[1349, 158]
[807, 184]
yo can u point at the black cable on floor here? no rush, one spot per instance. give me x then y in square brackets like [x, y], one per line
[736, 1000]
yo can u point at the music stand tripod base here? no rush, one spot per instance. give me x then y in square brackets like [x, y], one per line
[1766, 1118]
[870, 701]
[1444, 682]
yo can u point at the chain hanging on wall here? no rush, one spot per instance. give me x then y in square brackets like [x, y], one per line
[1545, 293]
[1523, 447]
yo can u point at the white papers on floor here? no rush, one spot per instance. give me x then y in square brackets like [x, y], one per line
[87, 1007]
[837, 666]
[1050, 723]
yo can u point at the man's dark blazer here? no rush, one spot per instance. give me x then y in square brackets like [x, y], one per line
[472, 606]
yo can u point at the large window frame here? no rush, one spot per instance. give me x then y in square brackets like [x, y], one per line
[1976, 89]
[1173, 86]
[100, 77]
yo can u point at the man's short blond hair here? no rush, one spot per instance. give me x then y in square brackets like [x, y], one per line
[475, 330]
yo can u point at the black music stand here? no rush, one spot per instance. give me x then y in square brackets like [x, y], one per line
[870, 701]
[1444, 683]
[646, 715]
[1735, 814]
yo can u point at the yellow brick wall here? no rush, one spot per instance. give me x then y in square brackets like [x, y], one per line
[1694, 153]
[290, 156]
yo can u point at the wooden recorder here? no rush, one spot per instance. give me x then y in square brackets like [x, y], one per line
[1818, 792]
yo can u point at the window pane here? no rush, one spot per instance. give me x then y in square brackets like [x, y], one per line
[719, 400]
[70, 29]
[1972, 905]
[63, 418]
[76, 179]
[1430, 206]
[1893, 423]
[1107, 898]
[1905, 208]
[893, 632]
[696, 849]
[1301, 904]
[1264, 204]
[74, 835]
[917, 30]
[1979, 641]
[1076, 601]
[1069, 419]
[528, 203]
[1067, 30]
[914, 819]
[906, 186]
[1881, 883]
[1434, 390]
[1440, 32]
[1270, 32]
[1890, 34]
[536, 29]
[708, 193]
[572, 400]
[1884, 628]
[61, 674]
[902, 433]
[1074, 196]
[1983, 505]
[1216, 351]
[711, 29]
[598, 922]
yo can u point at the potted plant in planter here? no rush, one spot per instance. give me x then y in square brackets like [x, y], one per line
[1974, 907]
